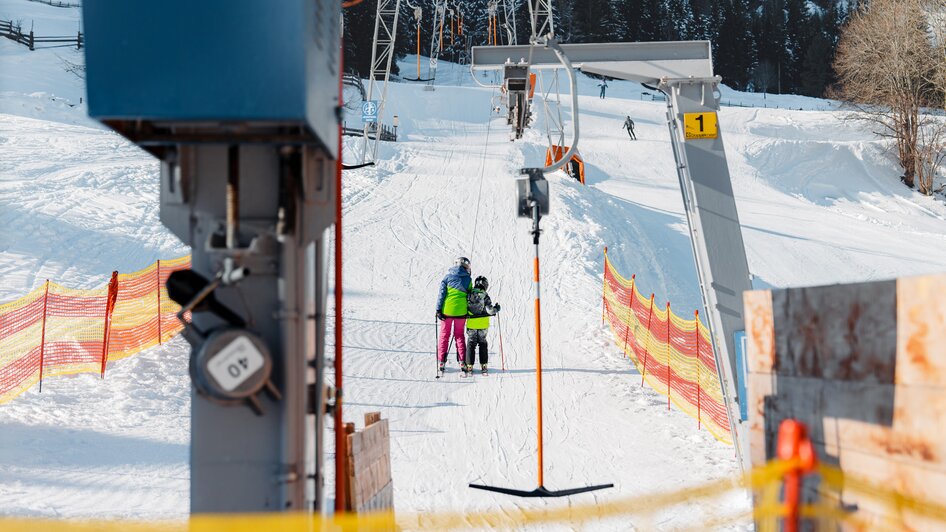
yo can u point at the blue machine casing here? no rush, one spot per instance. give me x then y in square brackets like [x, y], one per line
[257, 63]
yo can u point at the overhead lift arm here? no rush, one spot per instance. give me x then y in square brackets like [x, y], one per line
[684, 72]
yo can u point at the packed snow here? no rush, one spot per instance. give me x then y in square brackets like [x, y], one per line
[819, 202]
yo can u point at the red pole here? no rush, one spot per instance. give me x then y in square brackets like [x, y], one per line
[604, 281]
[341, 451]
[650, 314]
[158, 270]
[109, 307]
[699, 386]
[42, 338]
[630, 310]
[669, 355]
[538, 360]
[794, 444]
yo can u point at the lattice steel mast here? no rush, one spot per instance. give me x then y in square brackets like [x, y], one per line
[382, 53]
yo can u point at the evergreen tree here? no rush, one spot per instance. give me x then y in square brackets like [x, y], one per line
[680, 22]
[799, 30]
[734, 57]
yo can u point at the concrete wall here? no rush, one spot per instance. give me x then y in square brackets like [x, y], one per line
[864, 366]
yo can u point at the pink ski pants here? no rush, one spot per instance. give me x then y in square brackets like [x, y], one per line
[457, 325]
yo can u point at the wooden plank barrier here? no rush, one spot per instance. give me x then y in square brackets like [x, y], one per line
[370, 486]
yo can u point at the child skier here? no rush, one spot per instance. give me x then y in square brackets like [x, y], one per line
[477, 323]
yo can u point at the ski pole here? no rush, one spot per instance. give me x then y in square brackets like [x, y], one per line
[502, 356]
[437, 345]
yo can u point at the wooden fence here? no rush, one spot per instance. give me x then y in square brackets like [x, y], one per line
[56, 4]
[14, 32]
[388, 133]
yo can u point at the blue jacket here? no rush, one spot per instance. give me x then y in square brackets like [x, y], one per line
[454, 288]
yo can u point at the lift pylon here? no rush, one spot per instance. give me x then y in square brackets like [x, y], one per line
[382, 53]
[684, 72]
[436, 42]
[509, 21]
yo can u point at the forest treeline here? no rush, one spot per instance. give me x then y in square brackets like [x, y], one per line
[776, 46]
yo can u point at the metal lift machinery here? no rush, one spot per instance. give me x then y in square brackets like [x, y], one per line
[247, 133]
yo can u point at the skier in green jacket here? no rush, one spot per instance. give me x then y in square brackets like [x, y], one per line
[480, 308]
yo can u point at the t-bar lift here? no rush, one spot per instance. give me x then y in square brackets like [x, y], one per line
[684, 72]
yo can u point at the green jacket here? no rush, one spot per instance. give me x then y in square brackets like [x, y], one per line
[480, 309]
[454, 287]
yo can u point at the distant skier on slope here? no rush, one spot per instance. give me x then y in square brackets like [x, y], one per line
[477, 323]
[452, 309]
[604, 86]
[629, 126]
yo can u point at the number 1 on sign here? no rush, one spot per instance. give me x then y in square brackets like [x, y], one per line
[700, 126]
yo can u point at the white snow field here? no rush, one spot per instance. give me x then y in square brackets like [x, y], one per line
[819, 201]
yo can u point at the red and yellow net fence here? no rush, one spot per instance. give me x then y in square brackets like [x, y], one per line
[56, 330]
[674, 355]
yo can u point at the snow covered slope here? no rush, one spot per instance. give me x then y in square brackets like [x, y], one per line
[819, 202]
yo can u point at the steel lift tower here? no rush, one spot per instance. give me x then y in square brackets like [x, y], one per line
[540, 17]
[543, 27]
[684, 72]
[246, 129]
[436, 42]
[509, 20]
[382, 54]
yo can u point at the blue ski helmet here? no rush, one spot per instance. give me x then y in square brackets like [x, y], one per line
[462, 261]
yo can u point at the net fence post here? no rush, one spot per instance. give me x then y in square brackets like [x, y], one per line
[604, 281]
[158, 274]
[42, 337]
[668, 356]
[630, 311]
[109, 307]
[699, 385]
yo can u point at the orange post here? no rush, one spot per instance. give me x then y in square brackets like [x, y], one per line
[650, 314]
[109, 308]
[793, 444]
[158, 273]
[627, 322]
[669, 355]
[699, 386]
[604, 282]
[441, 34]
[538, 364]
[418, 49]
[42, 337]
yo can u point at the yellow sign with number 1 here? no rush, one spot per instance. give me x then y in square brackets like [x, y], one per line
[700, 126]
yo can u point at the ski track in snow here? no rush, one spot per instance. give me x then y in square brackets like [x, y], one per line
[818, 200]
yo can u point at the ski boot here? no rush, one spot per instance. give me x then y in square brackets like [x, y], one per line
[483, 370]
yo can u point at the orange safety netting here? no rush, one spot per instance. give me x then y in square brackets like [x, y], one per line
[55, 330]
[674, 355]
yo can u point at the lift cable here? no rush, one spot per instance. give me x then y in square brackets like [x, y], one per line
[479, 194]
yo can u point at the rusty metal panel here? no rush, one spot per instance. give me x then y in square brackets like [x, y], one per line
[842, 332]
[864, 366]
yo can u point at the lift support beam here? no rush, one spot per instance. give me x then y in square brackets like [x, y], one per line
[684, 72]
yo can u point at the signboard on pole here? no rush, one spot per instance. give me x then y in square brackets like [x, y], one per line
[742, 373]
[369, 112]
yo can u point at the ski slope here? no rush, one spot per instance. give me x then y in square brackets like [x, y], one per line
[819, 201]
